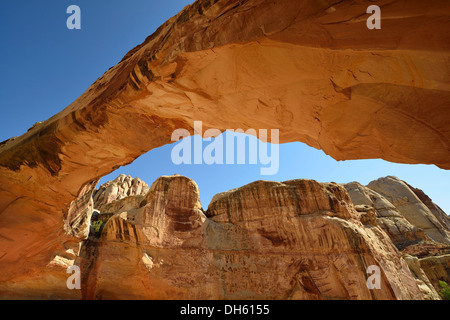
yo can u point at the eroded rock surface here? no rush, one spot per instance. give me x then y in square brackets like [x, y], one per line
[298, 239]
[309, 68]
[411, 207]
[442, 217]
[437, 269]
[426, 287]
[122, 187]
[399, 229]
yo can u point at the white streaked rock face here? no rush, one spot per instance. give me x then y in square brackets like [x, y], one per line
[400, 230]
[122, 187]
[411, 207]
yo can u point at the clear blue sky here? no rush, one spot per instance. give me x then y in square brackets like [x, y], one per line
[45, 67]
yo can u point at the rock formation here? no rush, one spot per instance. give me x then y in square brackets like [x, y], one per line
[426, 287]
[440, 215]
[402, 232]
[415, 224]
[298, 239]
[437, 268]
[411, 207]
[312, 235]
[309, 68]
[121, 187]
[400, 212]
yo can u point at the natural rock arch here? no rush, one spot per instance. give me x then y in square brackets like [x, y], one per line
[309, 68]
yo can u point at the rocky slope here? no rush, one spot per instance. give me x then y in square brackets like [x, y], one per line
[121, 187]
[297, 239]
[400, 212]
[309, 68]
[415, 224]
[370, 203]
[411, 207]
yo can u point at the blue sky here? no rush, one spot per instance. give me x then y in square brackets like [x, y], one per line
[45, 67]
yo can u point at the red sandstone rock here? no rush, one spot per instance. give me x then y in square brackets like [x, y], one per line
[309, 68]
[293, 240]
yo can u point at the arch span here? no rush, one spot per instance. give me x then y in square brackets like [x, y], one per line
[309, 68]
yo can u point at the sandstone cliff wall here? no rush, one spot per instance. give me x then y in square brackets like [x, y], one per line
[309, 68]
[298, 239]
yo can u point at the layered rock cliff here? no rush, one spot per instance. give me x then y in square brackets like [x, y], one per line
[400, 212]
[370, 203]
[293, 240]
[121, 187]
[309, 68]
[415, 224]
[411, 207]
[297, 239]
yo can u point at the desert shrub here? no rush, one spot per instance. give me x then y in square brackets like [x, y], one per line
[445, 292]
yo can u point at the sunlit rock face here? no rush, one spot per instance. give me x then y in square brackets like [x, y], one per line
[415, 224]
[309, 68]
[298, 239]
[412, 208]
[440, 215]
[437, 269]
[122, 187]
[401, 231]
[407, 214]
[422, 278]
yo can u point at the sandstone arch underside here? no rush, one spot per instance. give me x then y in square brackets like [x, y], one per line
[309, 68]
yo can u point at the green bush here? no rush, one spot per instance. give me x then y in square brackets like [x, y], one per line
[445, 292]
